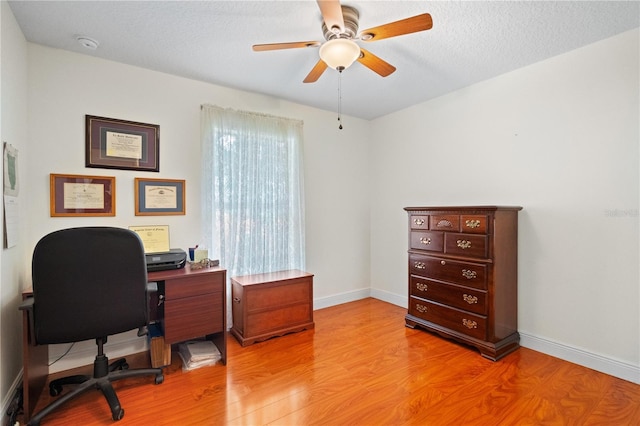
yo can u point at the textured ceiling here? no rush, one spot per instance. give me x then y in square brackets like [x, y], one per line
[211, 41]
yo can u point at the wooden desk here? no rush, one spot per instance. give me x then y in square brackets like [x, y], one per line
[193, 304]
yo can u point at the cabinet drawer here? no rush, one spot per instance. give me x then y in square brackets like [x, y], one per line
[269, 321]
[269, 296]
[463, 322]
[474, 224]
[464, 273]
[445, 222]
[194, 285]
[466, 245]
[180, 323]
[456, 296]
[425, 240]
[419, 221]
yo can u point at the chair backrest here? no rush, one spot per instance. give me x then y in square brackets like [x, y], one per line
[88, 283]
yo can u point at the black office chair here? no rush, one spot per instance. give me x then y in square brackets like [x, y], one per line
[89, 283]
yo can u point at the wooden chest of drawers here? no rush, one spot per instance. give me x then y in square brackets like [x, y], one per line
[463, 275]
[271, 304]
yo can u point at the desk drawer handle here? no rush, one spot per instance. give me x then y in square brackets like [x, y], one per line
[236, 299]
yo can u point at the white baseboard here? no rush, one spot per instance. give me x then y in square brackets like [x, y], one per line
[578, 356]
[389, 297]
[338, 299]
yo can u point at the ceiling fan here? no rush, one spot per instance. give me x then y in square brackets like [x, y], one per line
[340, 28]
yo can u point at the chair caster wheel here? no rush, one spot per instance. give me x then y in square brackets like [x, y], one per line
[159, 379]
[55, 390]
[118, 416]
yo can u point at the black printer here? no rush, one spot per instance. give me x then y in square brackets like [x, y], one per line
[172, 259]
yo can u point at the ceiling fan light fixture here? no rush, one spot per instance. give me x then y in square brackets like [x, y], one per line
[339, 53]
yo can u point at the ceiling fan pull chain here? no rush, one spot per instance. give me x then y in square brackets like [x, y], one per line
[340, 99]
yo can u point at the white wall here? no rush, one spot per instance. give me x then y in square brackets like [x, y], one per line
[559, 138]
[65, 86]
[13, 129]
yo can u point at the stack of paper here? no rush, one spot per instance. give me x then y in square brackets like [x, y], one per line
[197, 354]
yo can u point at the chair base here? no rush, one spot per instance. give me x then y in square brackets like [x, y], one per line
[104, 384]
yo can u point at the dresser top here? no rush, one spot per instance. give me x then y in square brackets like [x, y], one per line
[458, 208]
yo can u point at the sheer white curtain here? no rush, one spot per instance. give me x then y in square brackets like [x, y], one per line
[252, 191]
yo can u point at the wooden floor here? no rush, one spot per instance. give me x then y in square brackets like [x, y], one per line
[362, 366]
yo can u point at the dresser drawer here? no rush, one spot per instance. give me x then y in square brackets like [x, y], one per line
[474, 224]
[464, 273]
[466, 245]
[463, 322]
[452, 295]
[426, 240]
[445, 222]
[193, 285]
[181, 324]
[419, 221]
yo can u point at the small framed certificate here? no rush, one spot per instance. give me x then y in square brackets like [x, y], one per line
[80, 195]
[155, 238]
[159, 197]
[121, 144]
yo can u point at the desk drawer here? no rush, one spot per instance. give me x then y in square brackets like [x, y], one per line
[181, 324]
[194, 285]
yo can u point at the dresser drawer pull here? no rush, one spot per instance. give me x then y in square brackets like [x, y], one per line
[442, 262]
[422, 286]
[464, 244]
[444, 223]
[469, 323]
[425, 241]
[419, 265]
[469, 274]
[418, 222]
[236, 299]
[472, 223]
[421, 308]
[470, 299]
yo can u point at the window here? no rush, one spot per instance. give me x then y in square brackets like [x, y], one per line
[252, 191]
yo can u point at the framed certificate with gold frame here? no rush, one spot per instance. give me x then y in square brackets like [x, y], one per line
[159, 197]
[81, 195]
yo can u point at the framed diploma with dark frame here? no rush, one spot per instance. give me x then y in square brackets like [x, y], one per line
[121, 144]
[80, 195]
[159, 197]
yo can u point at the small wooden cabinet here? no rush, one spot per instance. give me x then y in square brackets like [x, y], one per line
[193, 305]
[271, 304]
[463, 276]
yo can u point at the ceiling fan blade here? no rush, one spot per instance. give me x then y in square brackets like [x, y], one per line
[278, 46]
[392, 29]
[374, 63]
[316, 72]
[332, 14]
